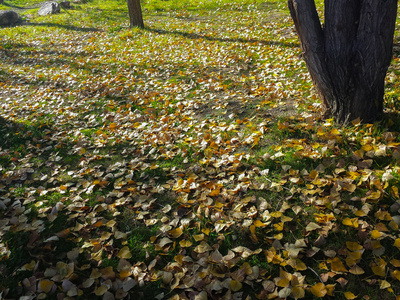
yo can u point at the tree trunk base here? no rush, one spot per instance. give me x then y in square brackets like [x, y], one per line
[347, 58]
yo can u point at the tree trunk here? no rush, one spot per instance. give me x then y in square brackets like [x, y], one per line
[135, 13]
[349, 56]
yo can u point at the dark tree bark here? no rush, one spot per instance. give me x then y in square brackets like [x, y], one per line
[349, 56]
[135, 13]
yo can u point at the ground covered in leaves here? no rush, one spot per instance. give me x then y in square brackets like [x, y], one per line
[187, 160]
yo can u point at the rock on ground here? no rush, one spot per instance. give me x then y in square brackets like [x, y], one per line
[49, 8]
[65, 4]
[8, 17]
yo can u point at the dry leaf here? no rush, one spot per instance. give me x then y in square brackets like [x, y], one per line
[124, 253]
[319, 290]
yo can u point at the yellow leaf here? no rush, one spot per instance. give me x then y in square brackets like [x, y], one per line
[337, 265]
[284, 274]
[384, 285]
[98, 224]
[323, 266]
[124, 274]
[356, 270]
[215, 192]
[313, 174]
[97, 256]
[375, 234]
[235, 285]
[247, 268]
[175, 233]
[46, 285]
[312, 226]
[355, 255]
[298, 292]
[206, 231]
[107, 273]
[297, 264]
[396, 274]
[283, 282]
[185, 243]
[381, 227]
[319, 290]
[95, 274]
[330, 288]
[376, 244]
[101, 290]
[323, 218]
[351, 222]
[276, 214]
[111, 223]
[258, 223]
[350, 295]
[334, 131]
[198, 237]
[353, 246]
[393, 225]
[395, 263]
[124, 253]
[113, 125]
[379, 267]
[30, 266]
[253, 235]
[203, 247]
[279, 226]
[360, 213]
[284, 279]
[397, 243]
[272, 257]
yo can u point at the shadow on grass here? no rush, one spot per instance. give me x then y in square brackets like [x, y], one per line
[16, 6]
[196, 36]
[68, 27]
[392, 119]
[19, 139]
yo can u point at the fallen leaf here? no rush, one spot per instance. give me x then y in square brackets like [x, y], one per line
[124, 253]
[350, 295]
[318, 290]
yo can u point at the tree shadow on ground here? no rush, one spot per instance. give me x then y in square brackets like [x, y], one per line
[16, 6]
[196, 36]
[12, 134]
[18, 139]
[392, 119]
[68, 27]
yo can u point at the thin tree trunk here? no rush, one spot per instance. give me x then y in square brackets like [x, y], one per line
[349, 57]
[135, 13]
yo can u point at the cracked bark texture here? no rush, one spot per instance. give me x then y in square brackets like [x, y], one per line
[135, 13]
[349, 55]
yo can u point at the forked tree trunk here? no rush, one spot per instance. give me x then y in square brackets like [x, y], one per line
[349, 56]
[135, 13]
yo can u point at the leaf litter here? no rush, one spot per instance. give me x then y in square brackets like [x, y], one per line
[167, 163]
